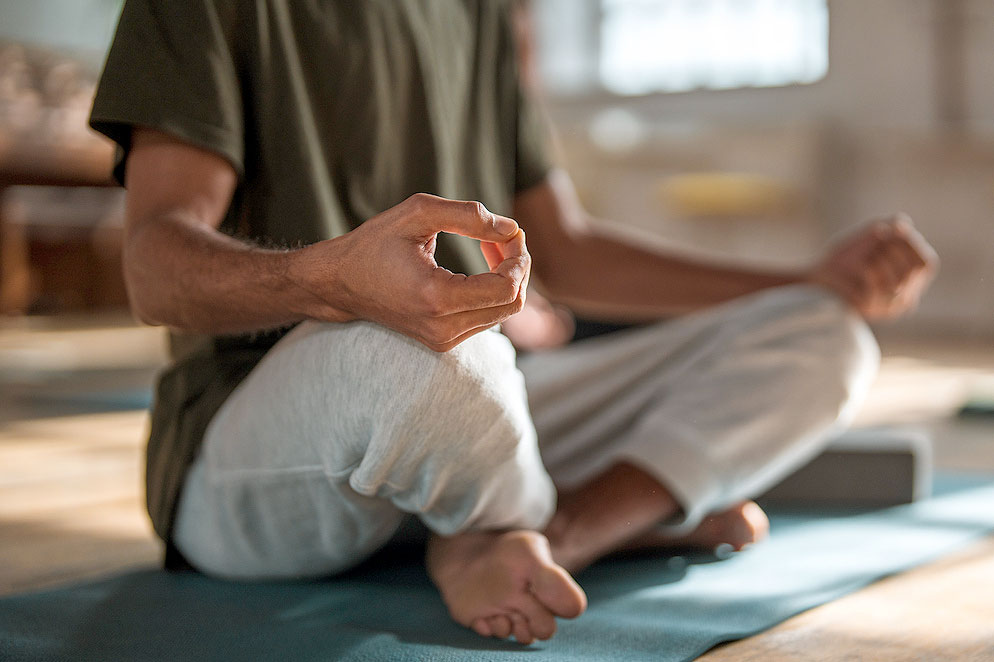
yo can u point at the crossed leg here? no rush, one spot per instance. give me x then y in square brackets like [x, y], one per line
[342, 430]
[620, 510]
[734, 399]
[660, 436]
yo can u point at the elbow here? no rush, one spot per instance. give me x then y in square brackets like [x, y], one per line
[142, 306]
[142, 296]
[147, 279]
[144, 314]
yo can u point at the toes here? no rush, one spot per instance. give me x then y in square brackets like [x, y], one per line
[558, 592]
[482, 627]
[541, 622]
[738, 527]
[759, 523]
[514, 574]
[746, 524]
[521, 630]
[500, 626]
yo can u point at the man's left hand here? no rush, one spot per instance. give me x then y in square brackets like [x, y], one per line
[882, 270]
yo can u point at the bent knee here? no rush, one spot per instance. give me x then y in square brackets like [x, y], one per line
[463, 452]
[446, 417]
[857, 361]
[847, 345]
[476, 384]
[841, 348]
[813, 334]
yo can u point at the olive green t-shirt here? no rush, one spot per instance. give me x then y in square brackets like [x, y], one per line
[330, 111]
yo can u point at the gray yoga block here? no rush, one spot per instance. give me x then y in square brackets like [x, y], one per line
[868, 467]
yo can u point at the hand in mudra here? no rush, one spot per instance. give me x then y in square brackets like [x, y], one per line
[881, 270]
[387, 271]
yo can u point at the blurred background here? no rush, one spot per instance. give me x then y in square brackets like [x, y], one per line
[755, 130]
[760, 129]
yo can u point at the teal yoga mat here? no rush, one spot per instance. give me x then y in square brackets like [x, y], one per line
[649, 608]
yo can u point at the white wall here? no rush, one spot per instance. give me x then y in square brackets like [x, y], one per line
[880, 145]
[83, 26]
[881, 73]
[980, 65]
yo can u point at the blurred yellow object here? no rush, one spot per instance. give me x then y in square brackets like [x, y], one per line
[726, 194]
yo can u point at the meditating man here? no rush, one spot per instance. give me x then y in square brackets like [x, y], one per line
[327, 204]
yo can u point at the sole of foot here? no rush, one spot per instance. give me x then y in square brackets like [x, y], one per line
[503, 584]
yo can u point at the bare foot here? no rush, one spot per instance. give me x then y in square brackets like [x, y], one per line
[606, 514]
[739, 527]
[621, 509]
[501, 584]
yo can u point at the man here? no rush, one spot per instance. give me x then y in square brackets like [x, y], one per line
[323, 394]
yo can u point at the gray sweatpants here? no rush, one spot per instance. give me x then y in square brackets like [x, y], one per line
[343, 430]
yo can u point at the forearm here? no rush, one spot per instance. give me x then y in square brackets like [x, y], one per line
[605, 277]
[185, 274]
[881, 270]
[182, 272]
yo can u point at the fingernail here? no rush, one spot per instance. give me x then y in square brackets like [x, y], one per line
[505, 225]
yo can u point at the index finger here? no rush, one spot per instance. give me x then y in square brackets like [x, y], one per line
[512, 252]
[432, 214]
[500, 286]
[497, 252]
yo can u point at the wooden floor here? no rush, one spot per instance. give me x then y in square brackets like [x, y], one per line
[71, 498]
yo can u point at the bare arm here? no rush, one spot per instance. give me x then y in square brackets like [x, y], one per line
[881, 272]
[182, 272]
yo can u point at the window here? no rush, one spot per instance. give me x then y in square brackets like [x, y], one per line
[642, 46]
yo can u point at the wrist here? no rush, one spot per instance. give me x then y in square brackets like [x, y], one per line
[313, 282]
[828, 281]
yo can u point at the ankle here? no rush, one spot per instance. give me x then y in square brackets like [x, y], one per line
[605, 513]
[561, 534]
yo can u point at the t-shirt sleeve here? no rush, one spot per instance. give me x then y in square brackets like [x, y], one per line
[172, 67]
[532, 162]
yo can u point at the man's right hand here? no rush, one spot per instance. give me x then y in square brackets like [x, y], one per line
[385, 271]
